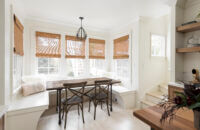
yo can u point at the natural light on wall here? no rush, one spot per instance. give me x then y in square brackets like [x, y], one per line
[158, 45]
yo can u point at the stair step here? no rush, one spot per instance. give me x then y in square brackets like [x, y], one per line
[155, 97]
[145, 104]
[163, 88]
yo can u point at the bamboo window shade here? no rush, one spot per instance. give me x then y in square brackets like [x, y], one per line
[121, 47]
[48, 45]
[74, 48]
[18, 37]
[96, 49]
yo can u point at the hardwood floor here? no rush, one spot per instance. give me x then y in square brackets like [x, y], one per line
[120, 119]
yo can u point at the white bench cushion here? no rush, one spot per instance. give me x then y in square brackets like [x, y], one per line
[120, 90]
[30, 103]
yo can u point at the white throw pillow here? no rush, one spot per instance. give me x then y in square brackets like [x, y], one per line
[32, 88]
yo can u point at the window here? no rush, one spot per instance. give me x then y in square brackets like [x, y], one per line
[18, 37]
[17, 70]
[96, 49]
[121, 46]
[48, 45]
[157, 45]
[74, 48]
[97, 67]
[48, 65]
[122, 69]
[75, 67]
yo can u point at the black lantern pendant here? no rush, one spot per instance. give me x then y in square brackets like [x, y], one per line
[81, 33]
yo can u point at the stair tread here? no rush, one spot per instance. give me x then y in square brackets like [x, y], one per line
[148, 102]
[157, 94]
[164, 86]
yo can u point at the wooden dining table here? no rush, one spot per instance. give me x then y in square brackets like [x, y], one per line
[58, 86]
[183, 120]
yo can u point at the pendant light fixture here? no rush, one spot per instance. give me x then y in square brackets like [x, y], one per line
[81, 33]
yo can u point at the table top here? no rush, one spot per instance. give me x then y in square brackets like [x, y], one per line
[152, 115]
[54, 85]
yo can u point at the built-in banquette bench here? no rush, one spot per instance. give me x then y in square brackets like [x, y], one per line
[124, 96]
[24, 111]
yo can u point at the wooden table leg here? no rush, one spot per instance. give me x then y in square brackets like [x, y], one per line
[59, 106]
[111, 97]
[57, 101]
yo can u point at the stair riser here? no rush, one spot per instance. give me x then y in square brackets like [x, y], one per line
[153, 99]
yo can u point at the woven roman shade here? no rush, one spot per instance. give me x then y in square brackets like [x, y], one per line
[74, 48]
[96, 49]
[48, 45]
[121, 46]
[18, 37]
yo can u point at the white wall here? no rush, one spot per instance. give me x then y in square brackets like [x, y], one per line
[152, 71]
[31, 26]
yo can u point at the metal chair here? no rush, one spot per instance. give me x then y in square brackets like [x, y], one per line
[77, 91]
[100, 95]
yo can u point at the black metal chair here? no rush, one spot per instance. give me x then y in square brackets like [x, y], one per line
[77, 98]
[100, 95]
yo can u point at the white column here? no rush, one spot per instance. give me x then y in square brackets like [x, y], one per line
[2, 52]
[5, 51]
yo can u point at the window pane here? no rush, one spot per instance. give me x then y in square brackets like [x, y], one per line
[157, 45]
[53, 70]
[122, 68]
[53, 62]
[97, 67]
[42, 62]
[48, 65]
[43, 70]
[76, 67]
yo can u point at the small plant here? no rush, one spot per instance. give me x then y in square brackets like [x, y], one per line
[190, 98]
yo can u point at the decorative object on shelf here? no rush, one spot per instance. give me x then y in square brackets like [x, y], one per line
[195, 73]
[193, 41]
[190, 99]
[81, 33]
[198, 17]
[191, 22]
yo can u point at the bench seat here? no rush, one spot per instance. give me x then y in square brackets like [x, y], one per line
[124, 96]
[24, 112]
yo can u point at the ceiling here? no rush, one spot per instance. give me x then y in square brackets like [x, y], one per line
[99, 14]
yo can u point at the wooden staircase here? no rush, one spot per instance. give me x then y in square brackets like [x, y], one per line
[154, 97]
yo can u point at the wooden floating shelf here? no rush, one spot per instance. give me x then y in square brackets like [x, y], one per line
[188, 50]
[188, 28]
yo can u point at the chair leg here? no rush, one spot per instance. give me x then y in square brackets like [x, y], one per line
[65, 118]
[78, 109]
[89, 105]
[101, 105]
[107, 107]
[82, 113]
[95, 110]
[63, 110]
